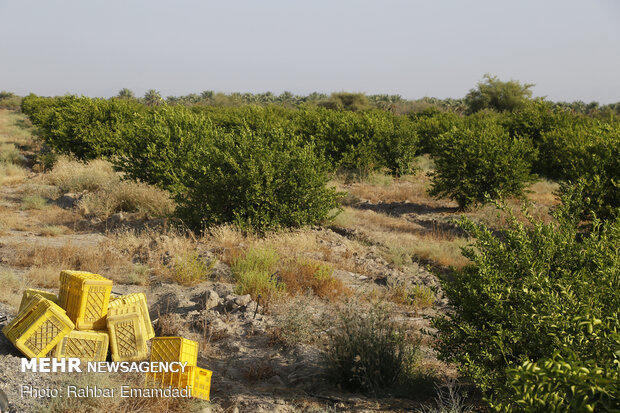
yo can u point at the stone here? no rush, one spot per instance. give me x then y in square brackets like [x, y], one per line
[243, 300]
[211, 299]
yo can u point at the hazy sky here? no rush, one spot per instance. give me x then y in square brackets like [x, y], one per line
[569, 49]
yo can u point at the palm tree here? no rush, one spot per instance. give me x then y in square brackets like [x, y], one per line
[125, 93]
[153, 98]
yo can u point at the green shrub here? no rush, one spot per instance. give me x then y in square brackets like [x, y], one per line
[190, 269]
[479, 161]
[492, 93]
[83, 127]
[368, 351]
[34, 202]
[532, 291]
[255, 274]
[560, 384]
[258, 180]
[430, 124]
[589, 154]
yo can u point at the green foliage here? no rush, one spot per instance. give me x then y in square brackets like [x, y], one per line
[532, 291]
[125, 93]
[366, 141]
[260, 180]
[254, 273]
[84, 127]
[432, 123]
[190, 269]
[492, 93]
[561, 384]
[481, 161]
[590, 153]
[347, 101]
[368, 351]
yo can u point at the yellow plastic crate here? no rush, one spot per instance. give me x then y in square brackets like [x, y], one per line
[181, 379]
[169, 349]
[85, 345]
[130, 303]
[196, 378]
[202, 384]
[127, 341]
[38, 327]
[29, 293]
[85, 297]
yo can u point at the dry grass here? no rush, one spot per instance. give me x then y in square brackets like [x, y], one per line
[415, 296]
[11, 174]
[190, 269]
[298, 320]
[127, 196]
[42, 190]
[402, 240]
[73, 176]
[46, 262]
[300, 243]
[15, 128]
[301, 276]
[34, 202]
[52, 230]
[11, 220]
[259, 370]
[10, 154]
[170, 325]
[13, 286]
[542, 192]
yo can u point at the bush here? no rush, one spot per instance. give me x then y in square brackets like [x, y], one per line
[368, 351]
[492, 93]
[563, 384]
[479, 161]
[533, 291]
[190, 269]
[431, 124]
[258, 180]
[83, 127]
[254, 273]
[591, 155]
[367, 141]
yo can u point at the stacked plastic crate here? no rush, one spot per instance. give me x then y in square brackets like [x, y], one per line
[182, 350]
[84, 320]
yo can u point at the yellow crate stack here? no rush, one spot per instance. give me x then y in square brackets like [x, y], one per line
[38, 327]
[135, 302]
[85, 345]
[85, 296]
[127, 339]
[179, 349]
[71, 324]
[30, 292]
[169, 349]
[202, 383]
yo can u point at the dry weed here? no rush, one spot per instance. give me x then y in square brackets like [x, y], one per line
[73, 176]
[127, 196]
[301, 276]
[13, 286]
[45, 262]
[259, 370]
